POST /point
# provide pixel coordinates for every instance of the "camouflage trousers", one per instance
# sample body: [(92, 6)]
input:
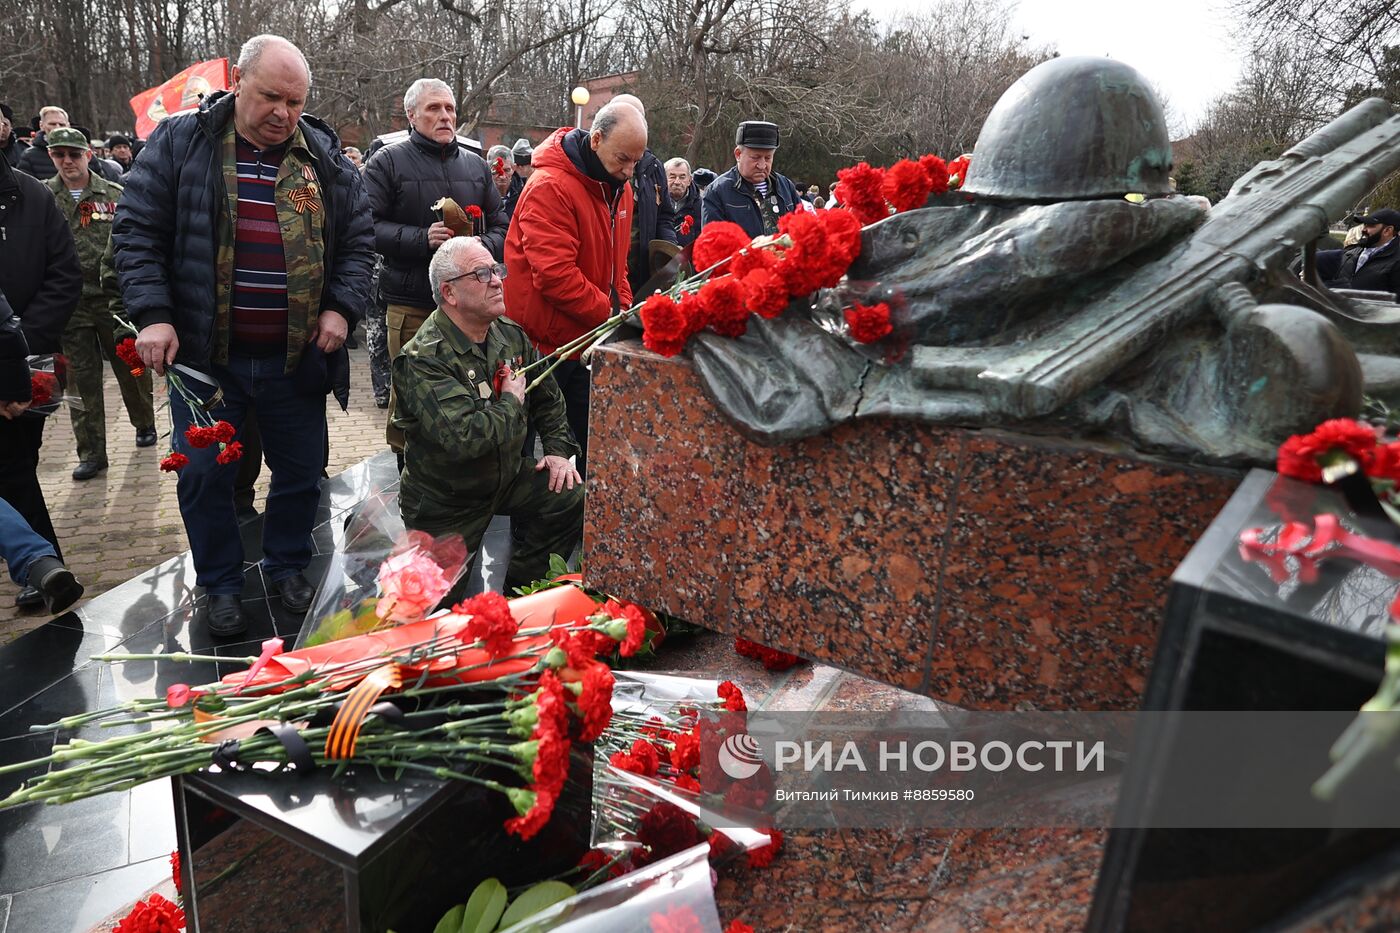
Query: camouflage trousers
[(402, 323), (89, 344), (377, 347)]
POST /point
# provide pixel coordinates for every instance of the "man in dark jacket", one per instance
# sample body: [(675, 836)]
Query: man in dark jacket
[(35, 159), (751, 194), (654, 215), (405, 180), (686, 196), (1373, 264), (10, 143), (40, 277), (244, 249)]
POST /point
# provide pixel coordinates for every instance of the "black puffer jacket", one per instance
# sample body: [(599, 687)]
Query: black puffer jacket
[(14, 149), (405, 179), (164, 240), (39, 271), (35, 160), (654, 216), (14, 369)]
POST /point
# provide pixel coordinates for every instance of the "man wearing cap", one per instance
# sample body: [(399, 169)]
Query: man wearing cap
[(1373, 264), (523, 153), (120, 148), (35, 161), (10, 143), (751, 194), (405, 180), (89, 203)]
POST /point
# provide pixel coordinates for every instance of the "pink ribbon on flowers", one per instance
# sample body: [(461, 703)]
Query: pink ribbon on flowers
[(270, 648)]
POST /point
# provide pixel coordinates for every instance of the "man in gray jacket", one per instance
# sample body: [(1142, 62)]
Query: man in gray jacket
[(405, 179)]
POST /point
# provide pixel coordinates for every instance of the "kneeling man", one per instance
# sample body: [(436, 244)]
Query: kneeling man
[(463, 436)]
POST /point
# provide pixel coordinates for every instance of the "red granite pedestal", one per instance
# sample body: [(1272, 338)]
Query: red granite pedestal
[(981, 568)]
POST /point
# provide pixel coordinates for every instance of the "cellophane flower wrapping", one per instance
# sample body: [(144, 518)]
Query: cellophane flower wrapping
[(652, 707), (672, 894), (48, 383), (384, 575)]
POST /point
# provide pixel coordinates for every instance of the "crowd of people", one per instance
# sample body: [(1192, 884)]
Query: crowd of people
[(242, 243)]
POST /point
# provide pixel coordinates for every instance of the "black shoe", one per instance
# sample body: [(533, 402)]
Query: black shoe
[(29, 598), (296, 592), (89, 468), (225, 615), (146, 437), (57, 586)]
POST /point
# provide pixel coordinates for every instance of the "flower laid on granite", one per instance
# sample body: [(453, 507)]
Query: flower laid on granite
[(771, 658), (126, 352), (733, 697), (153, 915), (763, 856), (868, 323), (738, 926)]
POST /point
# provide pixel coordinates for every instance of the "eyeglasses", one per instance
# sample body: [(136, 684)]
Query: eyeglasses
[(64, 154), (483, 275)]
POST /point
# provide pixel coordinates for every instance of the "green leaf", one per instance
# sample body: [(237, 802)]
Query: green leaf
[(484, 907), (451, 921), (533, 900)]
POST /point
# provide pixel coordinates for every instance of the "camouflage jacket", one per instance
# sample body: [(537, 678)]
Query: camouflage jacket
[(463, 440), (90, 219)]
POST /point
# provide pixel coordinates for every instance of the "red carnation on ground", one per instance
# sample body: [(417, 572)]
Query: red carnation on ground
[(723, 302), (937, 171), (666, 829), (230, 453), (153, 915), (491, 622), (868, 323), (716, 243), (732, 696), (173, 462), (664, 329), (765, 293), (763, 856), (42, 387), (636, 628), (906, 185), (862, 192), (1301, 455), (771, 658), (679, 919), (126, 352)]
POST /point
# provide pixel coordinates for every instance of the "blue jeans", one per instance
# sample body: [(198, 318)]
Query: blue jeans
[(293, 427), (20, 544)]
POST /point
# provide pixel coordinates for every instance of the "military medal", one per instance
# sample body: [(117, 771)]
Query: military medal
[(304, 199), (484, 390)]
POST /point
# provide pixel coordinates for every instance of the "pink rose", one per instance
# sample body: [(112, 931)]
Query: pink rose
[(410, 585)]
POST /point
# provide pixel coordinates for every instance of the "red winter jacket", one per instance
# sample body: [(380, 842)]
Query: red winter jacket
[(566, 251)]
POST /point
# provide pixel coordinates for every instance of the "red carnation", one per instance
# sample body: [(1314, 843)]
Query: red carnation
[(474, 211), (594, 700), (230, 453), (686, 754), (906, 185), (1301, 455), (717, 242), (499, 167), (862, 191), (666, 829), (126, 352), (765, 293), (692, 312), (842, 235), (771, 658), (763, 857), (636, 629), (937, 171), (686, 782), (42, 387), (687, 224), (723, 301), (173, 462), (732, 696), (579, 649), (643, 759), (678, 919), (957, 171), (223, 432), (175, 875), (808, 265), (750, 259), (153, 915), (868, 323), (491, 622), (200, 437), (595, 860), (738, 926), (1386, 462), (534, 819), (664, 329)]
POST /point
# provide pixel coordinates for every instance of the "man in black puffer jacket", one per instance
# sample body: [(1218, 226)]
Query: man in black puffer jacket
[(405, 179), (244, 250), (41, 278), (654, 215)]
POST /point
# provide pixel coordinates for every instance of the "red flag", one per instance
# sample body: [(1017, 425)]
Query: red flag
[(181, 92)]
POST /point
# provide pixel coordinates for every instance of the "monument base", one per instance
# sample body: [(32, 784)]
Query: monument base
[(986, 569)]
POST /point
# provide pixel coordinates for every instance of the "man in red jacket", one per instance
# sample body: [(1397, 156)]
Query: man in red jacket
[(566, 251)]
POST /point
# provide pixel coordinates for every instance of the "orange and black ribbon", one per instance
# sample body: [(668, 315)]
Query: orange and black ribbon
[(304, 199), (350, 718)]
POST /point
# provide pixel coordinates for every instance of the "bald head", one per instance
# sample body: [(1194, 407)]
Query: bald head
[(619, 138), (270, 84), (630, 100)]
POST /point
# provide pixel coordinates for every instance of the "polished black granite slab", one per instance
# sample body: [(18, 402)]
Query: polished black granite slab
[(66, 867)]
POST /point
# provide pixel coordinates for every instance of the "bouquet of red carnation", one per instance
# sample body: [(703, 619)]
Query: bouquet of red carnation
[(1343, 447), (48, 380)]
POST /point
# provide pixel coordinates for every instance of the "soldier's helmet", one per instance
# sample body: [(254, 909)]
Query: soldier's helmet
[(1073, 128)]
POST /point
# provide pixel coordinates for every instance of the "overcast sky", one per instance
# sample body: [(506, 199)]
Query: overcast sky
[(1184, 48)]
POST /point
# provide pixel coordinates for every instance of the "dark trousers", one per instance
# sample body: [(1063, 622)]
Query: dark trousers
[(293, 430), (20, 441), (574, 379)]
